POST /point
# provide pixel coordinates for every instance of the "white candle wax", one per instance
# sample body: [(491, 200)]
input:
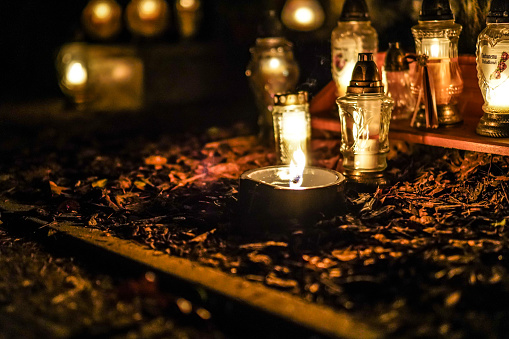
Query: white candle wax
[(294, 133)]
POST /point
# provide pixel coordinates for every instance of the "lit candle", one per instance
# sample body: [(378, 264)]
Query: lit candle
[(188, 17), (302, 15), (102, 12), (365, 114), (292, 129), (76, 75), (266, 199), (436, 48), (187, 4), (492, 61), (436, 37), (147, 18), (149, 9)]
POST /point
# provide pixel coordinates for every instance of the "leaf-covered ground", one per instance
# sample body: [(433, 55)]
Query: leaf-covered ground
[(425, 257)]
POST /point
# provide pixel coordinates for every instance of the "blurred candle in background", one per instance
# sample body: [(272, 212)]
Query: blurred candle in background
[(436, 37), (188, 17), (353, 34), (302, 15), (72, 69), (292, 127), (397, 82), (492, 59), (102, 19), (147, 18)]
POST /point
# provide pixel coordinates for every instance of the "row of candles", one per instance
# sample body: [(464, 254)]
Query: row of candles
[(365, 108), (102, 19)]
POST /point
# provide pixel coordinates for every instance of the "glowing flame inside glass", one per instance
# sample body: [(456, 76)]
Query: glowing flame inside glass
[(76, 74), (303, 15), (149, 9), (102, 11), (294, 174), (187, 3)]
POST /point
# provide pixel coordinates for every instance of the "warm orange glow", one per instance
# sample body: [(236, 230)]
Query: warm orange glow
[(303, 15), (187, 4), (149, 9), (76, 74), (102, 11), (297, 165)]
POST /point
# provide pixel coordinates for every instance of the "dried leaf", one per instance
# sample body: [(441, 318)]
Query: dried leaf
[(57, 189)]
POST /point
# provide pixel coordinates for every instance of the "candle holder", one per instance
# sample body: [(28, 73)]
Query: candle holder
[(268, 196), (438, 82), (365, 114), (73, 72), (147, 18), (353, 34), (396, 79), (272, 69), (102, 19), (188, 17), (292, 126), (492, 58)]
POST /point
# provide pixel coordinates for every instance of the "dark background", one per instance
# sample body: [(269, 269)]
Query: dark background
[(32, 31)]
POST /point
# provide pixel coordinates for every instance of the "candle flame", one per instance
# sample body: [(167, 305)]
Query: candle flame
[(297, 165), (304, 16), (187, 3), (294, 174), (149, 9), (76, 74), (102, 11)]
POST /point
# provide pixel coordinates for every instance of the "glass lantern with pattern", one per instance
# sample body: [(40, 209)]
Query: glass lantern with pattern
[(436, 39), (365, 114), (492, 59)]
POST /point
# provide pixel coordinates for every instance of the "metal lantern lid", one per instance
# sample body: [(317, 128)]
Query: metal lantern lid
[(395, 59), (436, 10), (287, 99), (270, 26), (354, 10), (499, 12), (365, 76)]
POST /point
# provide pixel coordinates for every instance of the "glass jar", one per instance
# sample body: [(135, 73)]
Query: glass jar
[(492, 59), (436, 37), (292, 125), (353, 34), (396, 79), (365, 113), (272, 69), (73, 72)]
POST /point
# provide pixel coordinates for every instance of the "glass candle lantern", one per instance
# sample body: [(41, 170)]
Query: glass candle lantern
[(292, 125), (353, 34), (188, 17), (272, 69), (147, 18), (73, 72), (492, 59), (365, 113), (397, 82), (436, 37), (102, 19)]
